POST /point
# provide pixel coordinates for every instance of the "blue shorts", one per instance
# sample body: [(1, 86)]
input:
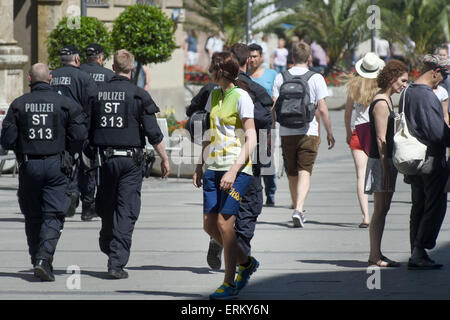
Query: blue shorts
[(216, 200)]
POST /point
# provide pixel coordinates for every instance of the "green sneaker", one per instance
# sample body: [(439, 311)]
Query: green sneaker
[(224, 292), (245, 273)]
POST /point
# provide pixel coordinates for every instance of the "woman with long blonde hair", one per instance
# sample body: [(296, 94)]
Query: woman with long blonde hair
[(362, 87)]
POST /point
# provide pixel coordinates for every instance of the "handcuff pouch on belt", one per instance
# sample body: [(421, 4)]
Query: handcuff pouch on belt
[(137, 154)]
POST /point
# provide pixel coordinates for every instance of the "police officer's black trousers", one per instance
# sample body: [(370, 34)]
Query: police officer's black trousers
[(249, 210), (43, 199), (429, 205), (118, 203), (86, 185)]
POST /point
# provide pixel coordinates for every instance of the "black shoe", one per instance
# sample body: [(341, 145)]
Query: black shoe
[(270, 203), (118, 273), (88, 212), (423, 264), (73, 205), (44, 270)]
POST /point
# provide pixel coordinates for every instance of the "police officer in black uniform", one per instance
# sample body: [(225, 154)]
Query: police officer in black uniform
[(39, 126), (95, 55), (86, 180), (72, 82), (123, 116)]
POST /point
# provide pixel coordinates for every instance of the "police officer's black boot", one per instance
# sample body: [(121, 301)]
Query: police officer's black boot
[(88, 212), (74, 200), (44, 270), (118, 273)]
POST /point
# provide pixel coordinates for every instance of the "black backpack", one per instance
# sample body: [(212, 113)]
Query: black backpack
[(197, 124), (196, 111), (294, 108)]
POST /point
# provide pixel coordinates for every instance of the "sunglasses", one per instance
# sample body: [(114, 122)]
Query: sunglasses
[(212, 68)]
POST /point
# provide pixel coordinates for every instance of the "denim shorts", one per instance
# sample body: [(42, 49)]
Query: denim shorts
[(216, 200)]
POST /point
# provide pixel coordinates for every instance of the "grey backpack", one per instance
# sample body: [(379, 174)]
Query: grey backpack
[(294, 108)]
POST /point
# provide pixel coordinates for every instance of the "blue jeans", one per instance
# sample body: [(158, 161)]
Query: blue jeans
[(270, 186), (279, 69)]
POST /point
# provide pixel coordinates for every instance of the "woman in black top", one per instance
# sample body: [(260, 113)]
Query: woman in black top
[(380, 172)]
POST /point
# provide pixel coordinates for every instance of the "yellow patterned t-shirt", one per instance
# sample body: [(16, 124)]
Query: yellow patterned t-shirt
[(226, 131)]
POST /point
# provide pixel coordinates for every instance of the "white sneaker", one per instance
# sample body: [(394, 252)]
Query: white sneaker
[(298, 219), (302, 215)]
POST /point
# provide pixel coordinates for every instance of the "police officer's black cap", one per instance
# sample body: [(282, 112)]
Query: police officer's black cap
[(69, 50), (94, 49)]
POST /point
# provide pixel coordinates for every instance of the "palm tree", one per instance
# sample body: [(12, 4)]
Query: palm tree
[(337, 25), (225, 16), (423, 21)]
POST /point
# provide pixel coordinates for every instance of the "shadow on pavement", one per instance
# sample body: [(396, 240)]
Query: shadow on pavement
[(97, 274), (12, 220), (338, 263), (27, 275), (164, 293), (281, 224), (342, 225), (165, 268), (289, 224), (394, 283)]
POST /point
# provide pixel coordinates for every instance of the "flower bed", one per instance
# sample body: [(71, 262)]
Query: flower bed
[(172, 123), (337, 79), (196, 75)]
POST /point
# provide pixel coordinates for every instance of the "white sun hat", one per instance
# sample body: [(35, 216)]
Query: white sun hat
[(369, 66)]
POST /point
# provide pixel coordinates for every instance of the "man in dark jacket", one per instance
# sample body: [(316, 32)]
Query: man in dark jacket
[(95, 56), (74, 83), (429, 198), (123, 116), (39, 127)]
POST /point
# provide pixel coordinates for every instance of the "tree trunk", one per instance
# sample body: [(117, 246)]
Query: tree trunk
[(136, 72)]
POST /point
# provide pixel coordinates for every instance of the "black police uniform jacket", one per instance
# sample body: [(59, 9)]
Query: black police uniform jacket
[(123, 115), (72, 82), (42, 122), (97, 72)]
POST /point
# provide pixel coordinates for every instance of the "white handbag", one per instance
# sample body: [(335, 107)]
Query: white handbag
[(409, 154)]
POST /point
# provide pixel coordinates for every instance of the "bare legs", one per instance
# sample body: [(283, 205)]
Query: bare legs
[(381, 206), (299, 188), (360, 159), (221, 228)]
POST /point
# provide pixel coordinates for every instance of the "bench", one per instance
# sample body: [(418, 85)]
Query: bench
[(4, 156), (177, 147)]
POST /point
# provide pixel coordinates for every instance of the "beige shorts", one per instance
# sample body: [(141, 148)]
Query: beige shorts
[(300, 152)]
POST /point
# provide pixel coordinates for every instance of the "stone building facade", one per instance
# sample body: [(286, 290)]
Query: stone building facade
[(25, 25)]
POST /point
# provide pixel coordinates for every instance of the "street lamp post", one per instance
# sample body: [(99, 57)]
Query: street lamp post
[(249, 21), (373, 27), (83, 8)]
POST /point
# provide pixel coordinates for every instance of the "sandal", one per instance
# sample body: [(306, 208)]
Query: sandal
[(389, 263), (364, 225), (392, 263)]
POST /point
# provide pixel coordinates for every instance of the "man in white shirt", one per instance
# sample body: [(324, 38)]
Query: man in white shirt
[(383, 50), (300, 146), (214, 44)]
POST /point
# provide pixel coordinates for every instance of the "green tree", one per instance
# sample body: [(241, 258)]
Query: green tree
[(423, 21), (337, 25), (146, 32), (226, 16), (80, 33)]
